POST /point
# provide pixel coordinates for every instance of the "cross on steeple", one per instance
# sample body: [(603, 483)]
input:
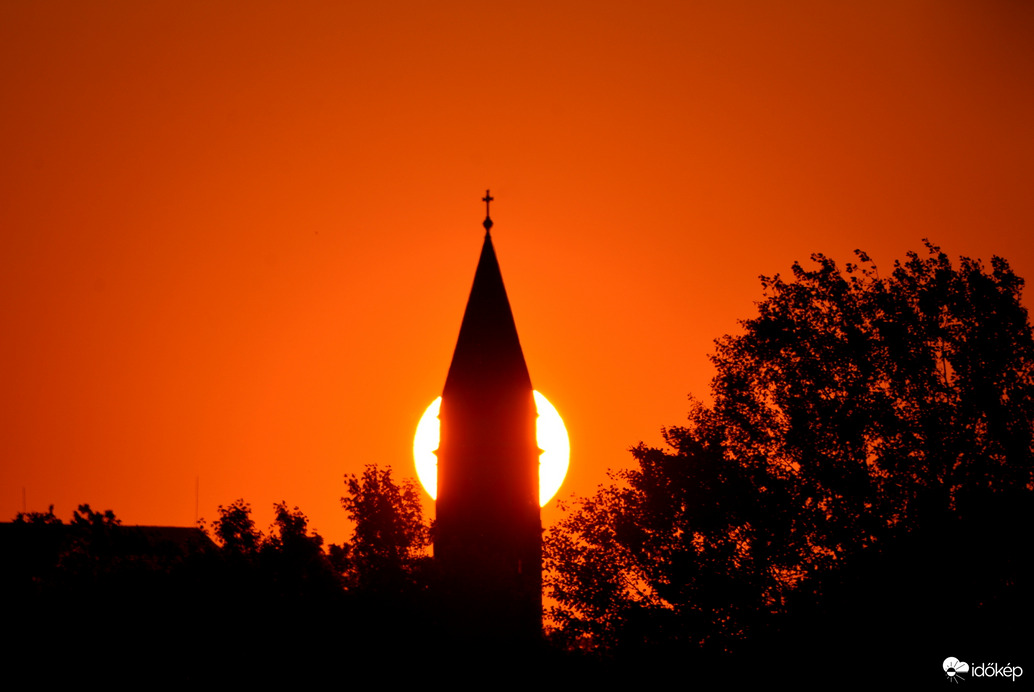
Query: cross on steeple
[(487, 199)]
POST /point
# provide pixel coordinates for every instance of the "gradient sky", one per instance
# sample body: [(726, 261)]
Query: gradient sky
[(238, 237)]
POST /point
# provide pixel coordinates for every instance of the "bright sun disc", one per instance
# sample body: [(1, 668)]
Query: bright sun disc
[(550, 434)]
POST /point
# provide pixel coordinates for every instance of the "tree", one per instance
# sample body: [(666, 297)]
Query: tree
[(390, 539), (236, 530), (289, 563), (854, 415), (667, 556), (889, 402), (97, 548), (290, 532), (47, 518)]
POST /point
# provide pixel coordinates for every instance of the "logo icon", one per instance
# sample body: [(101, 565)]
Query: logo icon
[(953, 668)]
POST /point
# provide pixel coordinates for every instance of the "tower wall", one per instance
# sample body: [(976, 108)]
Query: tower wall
[(488, 525)]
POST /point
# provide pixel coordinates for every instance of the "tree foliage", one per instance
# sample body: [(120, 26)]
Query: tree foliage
[(390, 539), (280, 583), (47, 518), (887, 401), (235, 529), (854, 411), (289, 562)]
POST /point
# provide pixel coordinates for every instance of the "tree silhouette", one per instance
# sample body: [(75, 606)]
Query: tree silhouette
[(38, 518), (236, 530), (859, 423), (294, 560), (390, 539), (287, 565), (888, 402)]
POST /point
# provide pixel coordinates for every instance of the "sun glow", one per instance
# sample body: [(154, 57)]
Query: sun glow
[(550, 434)]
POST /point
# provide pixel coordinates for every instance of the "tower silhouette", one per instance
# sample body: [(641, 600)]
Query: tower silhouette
[(488, 538)]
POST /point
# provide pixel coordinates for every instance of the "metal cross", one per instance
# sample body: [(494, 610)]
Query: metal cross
[(487, 199)]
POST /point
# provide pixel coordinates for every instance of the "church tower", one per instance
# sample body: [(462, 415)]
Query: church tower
[(488, 540)]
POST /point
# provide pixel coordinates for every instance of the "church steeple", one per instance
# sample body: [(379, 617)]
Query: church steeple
[(488, 351), (488, 526)]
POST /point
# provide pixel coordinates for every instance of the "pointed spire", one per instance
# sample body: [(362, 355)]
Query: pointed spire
[(487, 199), (488, 349)]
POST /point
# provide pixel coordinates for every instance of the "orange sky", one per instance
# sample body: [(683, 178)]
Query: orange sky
[(238, 237)]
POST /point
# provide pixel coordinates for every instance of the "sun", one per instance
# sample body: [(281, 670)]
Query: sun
[(550, 434)]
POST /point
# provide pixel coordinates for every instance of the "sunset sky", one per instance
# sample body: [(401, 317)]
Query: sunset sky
[(238, 237)]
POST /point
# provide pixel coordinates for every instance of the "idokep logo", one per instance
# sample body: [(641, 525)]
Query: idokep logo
[(954, 668)]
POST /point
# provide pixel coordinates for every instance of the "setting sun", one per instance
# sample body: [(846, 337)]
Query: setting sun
[(550, 434)]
